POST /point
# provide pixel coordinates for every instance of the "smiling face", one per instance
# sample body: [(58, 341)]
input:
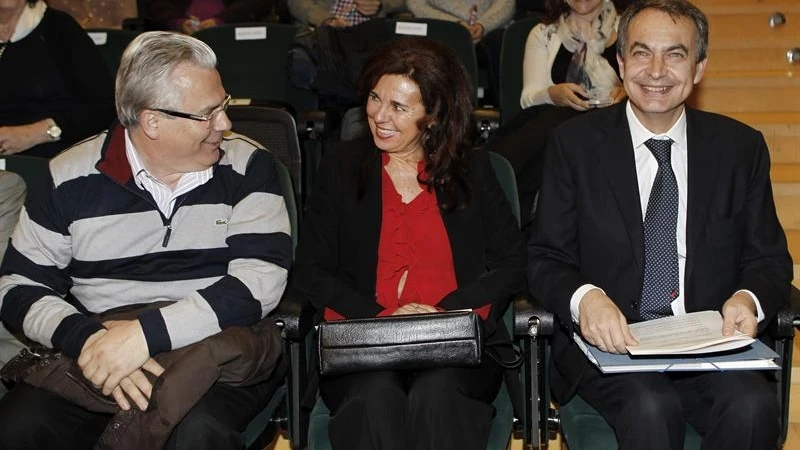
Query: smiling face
[(394, 111), (660, 67), (11, 5), (189, 145), (585, 8)]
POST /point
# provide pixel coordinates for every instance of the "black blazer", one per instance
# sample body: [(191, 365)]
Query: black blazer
[(589, 227), (337, 256)]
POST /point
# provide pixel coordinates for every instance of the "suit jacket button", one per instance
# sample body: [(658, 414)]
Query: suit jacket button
[(635, 305)]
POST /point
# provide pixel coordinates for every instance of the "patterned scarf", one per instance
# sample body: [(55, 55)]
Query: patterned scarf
[(594, 38)]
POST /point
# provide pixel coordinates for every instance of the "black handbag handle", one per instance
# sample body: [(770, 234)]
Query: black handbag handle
[(490, 349)]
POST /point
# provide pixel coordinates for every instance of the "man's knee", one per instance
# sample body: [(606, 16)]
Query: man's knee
[(19, 420), (650, 413), (649, 407), (201, 428), (31, 418), (746, 408)]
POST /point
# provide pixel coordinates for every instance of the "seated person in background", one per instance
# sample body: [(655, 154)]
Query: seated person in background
[(12, 196), (650, 208), (484, 19), (575, 41), (189, 16), (411, 220), (56, 88), (97, 13), (341, 13), (479, 17), (160, 208)]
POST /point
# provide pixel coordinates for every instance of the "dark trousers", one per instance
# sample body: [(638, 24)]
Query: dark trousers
[(648, 411), (487, 52), (439, 409), (32, 418)]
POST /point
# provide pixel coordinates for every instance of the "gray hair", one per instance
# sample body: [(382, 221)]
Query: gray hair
[(676, 9), (144, 76)]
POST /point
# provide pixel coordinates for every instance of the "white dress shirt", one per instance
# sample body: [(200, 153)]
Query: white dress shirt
[(646, 169), (163, 195)]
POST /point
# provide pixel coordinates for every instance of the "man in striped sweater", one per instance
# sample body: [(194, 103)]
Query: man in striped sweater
[(160, 207)]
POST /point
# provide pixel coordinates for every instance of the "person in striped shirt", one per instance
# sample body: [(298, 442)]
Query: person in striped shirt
[(164, 206)]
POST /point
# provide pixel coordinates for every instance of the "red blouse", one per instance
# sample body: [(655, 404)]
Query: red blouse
[(413, 238)]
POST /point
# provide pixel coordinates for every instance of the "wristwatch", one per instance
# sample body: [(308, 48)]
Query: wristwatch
[(54, 131)]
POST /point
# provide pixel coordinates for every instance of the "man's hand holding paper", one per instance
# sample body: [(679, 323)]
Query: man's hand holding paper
[(739, 313), (603, 324)]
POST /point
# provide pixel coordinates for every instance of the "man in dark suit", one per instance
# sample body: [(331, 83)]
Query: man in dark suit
[(648, 209)]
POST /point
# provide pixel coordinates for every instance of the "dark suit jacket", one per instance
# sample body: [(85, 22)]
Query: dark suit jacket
[(338, 252), (589, 226)]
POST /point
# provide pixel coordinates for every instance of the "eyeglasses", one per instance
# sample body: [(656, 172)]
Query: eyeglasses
[(199, 117)]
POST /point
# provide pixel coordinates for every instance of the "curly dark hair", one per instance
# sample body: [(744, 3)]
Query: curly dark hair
[(447, 93)]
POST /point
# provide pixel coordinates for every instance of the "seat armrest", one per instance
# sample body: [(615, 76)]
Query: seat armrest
[(528, 313), (487, 120), (314, 124), (788, 318), (294, 315)]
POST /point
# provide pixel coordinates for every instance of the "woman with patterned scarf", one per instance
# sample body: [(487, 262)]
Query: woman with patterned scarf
[(570, 66), (570, 58)]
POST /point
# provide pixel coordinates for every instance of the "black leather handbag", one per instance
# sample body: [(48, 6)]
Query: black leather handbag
[(403, 342)]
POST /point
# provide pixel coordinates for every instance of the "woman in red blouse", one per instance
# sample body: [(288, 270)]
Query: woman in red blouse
[(411, 220)]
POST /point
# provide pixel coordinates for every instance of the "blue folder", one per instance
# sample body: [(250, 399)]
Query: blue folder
[(756, 356)]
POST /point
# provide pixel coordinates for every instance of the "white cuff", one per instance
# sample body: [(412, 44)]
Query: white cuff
[(575, 301), (759, 311)]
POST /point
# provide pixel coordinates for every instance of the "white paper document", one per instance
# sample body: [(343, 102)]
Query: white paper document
[(685, 334)]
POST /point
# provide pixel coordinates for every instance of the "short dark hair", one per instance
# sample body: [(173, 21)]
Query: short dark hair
[(447, 93), (676, 9)]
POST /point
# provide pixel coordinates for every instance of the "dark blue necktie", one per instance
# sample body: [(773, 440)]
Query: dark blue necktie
[(660, 286)]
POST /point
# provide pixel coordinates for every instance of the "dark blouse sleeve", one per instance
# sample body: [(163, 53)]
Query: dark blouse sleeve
[(320, 254), (503, 244), (85, 74)]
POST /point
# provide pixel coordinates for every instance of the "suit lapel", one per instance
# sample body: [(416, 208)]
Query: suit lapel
[(368, 217), (614, 156), (703, 169)]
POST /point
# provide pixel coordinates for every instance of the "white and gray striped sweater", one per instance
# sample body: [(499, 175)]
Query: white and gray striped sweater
[(95, 241)]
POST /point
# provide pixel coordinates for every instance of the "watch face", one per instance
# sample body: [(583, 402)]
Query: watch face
[(54, 131)]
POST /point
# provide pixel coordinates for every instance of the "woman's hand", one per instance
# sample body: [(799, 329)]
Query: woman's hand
[(569, 94), (211, 22), (368, 7), (477, 31), (190, 24), (618, 94), (335, 22), (16, 139), (414, 308)]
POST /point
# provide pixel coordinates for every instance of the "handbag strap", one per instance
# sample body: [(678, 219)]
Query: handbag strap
[(490, 349)]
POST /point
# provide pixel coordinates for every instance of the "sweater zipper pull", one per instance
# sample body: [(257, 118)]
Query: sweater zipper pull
[(166, 236)]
